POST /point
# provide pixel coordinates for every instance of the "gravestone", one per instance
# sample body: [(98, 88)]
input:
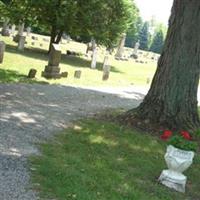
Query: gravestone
[(13, 29), (2, 50), (77, 74), (28, 31), (106, 69), (20, 32), (21, 43), (64, 74), (94, 58), (52, 70), (120, 49), (32, 73), (136, 47)]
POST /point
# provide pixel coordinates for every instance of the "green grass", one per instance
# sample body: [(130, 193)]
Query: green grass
[(96, 160), (123, 73)]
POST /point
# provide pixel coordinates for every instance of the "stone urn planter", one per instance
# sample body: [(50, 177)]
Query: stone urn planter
[(177, 161)]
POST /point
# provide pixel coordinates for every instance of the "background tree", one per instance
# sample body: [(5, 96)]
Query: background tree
[(105, 21), (132, 35), (158, 42), (172, 98), (144, 36)]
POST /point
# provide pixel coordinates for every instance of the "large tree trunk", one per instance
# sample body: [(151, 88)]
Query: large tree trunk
[(172, 98)]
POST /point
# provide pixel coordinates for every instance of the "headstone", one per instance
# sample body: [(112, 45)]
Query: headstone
[(20, 32), (77, 74), (21, 43), (13, 29), (52, 70), (32, 73), (28, 31), (120, 49), (106, 69), (136, 47), (2, 50), (64, 74), (94, 59)]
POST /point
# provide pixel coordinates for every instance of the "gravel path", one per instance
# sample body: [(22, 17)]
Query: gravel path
[(33, 113)]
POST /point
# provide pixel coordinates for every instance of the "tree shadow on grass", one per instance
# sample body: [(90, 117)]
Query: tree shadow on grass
[(73, 61), (10, 76)]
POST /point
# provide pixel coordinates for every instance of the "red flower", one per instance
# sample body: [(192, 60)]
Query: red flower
[(166, 134), (186, 135)]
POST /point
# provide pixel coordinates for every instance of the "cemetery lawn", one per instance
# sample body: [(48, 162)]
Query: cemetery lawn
[(16, 66), (98, 160)]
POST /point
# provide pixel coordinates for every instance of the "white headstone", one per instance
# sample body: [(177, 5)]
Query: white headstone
[(2, 50), (120, 49), (106, 69), (21, 43), (94, 58)]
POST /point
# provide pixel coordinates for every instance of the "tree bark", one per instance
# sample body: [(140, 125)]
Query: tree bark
[(172, 98), (59, 36), (53, 37)]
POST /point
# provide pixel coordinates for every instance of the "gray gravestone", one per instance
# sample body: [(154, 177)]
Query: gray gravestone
[(13, 29), (136, 47), (64, 74), (28, 31), (94, 58), (32, 73), (2, 50), (20, 32), (21, 43), (120, 49), (77, 74), (52, 70), (106, 69)]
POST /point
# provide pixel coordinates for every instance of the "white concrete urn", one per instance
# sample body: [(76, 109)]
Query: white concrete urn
[(177, 161)]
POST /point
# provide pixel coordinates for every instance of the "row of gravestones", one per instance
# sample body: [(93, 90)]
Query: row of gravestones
[(52, 70)]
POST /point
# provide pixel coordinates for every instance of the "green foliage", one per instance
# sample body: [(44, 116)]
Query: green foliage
[(181, 143), (144, 36), (158, 42), (105, 20), (133, 32)]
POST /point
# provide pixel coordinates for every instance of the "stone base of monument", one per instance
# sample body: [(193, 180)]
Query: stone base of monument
[(174, 180), (51, 72), (49, 75)]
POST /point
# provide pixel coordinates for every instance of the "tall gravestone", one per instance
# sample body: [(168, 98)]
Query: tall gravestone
[(106, 69), (2, 50), (94, 58), (52, 70), (28, 31), (20, 32), (21, 43), (136, 47), (120, 49), (13, 27)]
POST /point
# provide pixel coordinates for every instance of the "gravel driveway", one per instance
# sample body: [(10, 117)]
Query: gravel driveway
[(33, 113)]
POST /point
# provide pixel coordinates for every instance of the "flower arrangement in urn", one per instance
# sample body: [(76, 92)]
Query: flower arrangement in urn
[(179, 156)]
